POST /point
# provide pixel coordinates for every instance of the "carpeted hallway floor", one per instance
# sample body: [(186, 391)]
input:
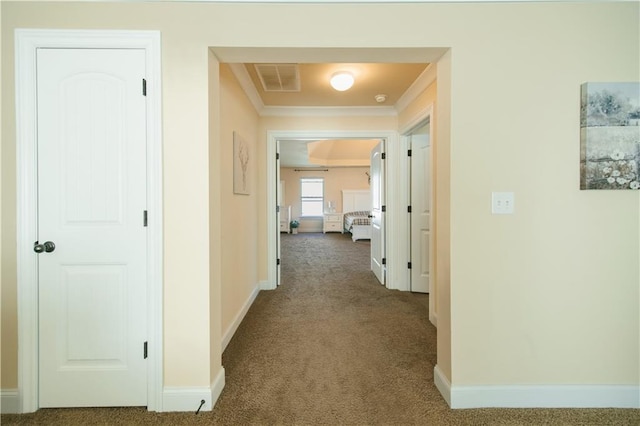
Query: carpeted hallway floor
[(332, 346)]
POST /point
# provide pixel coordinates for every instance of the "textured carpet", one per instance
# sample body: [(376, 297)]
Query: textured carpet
[(331, 346)]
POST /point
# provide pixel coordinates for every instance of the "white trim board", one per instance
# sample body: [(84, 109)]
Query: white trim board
[(537, 396), (229, 333), (264, 285), (27, 41), (422, 117), (394, 241), (190, 398), (9, 401)]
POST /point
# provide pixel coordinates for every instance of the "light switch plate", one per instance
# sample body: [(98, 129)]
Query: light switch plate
[(502, 203)]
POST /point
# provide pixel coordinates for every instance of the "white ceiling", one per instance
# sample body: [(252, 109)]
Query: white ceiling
[(399, 73), (309, 86), (333, 153)]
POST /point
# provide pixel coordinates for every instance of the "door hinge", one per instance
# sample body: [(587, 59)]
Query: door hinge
[(277, 261), (409, 265), (145, 350), (383, 208), (277, 209), (384, 156), (409, 153), (384, 260), (408, 209), (144, 87), (277, 155), (144, 218)]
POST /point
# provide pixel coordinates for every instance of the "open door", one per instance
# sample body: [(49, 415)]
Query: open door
[(420, 209), (377, 213), (279, 202)]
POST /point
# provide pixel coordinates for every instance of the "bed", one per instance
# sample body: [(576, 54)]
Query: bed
[(356, 205), (358, 224)]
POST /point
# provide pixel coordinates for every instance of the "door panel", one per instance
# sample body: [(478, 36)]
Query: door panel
[(91, 201), (377, 220), (92, 330)]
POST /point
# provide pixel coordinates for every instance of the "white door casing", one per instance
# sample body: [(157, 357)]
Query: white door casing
[(28, 42), (420, 209), (424, 118), (92, 204), (394, 242), (377, 213)]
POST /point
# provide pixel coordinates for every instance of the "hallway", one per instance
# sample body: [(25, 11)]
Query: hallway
[(331, 345)]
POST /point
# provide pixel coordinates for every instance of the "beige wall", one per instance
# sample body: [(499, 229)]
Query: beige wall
[(442, 210), (440, 235), (239, 213), (547, 293), (215, 224), (539, 297), (335, 180)]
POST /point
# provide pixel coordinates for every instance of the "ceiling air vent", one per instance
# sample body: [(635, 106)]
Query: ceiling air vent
[(279, 77)]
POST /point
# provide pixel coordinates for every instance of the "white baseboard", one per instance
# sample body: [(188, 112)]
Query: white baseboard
[(190, 398), (265, 285), (217, 386), (434, 319), (187, 398), (173, 398), (537, 396), (9, 401), (443, 384), (546, 396), (228, 334)]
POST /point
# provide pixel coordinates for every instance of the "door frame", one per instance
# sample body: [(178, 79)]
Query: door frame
[(393, 242), (419, 119), (27, 41)]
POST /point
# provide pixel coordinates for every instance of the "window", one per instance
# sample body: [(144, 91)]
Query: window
[(312, 196)]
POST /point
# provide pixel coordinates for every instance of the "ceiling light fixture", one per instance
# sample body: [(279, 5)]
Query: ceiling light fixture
[(380, 98), (342, 81)]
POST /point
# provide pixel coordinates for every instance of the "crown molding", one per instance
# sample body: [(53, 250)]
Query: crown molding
[(298, 111), (424, 80), (246, 83)]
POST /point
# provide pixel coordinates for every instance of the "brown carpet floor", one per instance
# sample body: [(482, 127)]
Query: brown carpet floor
[(331, 346)]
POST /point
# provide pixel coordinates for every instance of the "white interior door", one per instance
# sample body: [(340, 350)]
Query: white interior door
[(377, 213), (91, 205), (279, 202), (420, 209)]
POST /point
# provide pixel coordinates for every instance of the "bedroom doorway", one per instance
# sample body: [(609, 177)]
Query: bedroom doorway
[(281, 206)]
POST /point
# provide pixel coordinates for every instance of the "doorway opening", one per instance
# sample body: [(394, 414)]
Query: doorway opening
[(316, 195), (397, 249), (420, 225), (273, 182)]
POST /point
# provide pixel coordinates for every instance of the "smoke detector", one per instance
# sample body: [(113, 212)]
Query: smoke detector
[(380, 98)]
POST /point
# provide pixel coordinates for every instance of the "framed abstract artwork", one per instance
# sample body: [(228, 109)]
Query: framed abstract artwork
[(241, 165), (610, 136)]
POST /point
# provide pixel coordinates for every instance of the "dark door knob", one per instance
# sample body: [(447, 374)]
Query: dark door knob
[(48, 247)]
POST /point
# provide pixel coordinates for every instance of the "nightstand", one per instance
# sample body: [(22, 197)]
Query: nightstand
[(332, 223)]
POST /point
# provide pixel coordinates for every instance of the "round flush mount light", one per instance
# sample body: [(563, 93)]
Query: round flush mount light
[(342, 81)]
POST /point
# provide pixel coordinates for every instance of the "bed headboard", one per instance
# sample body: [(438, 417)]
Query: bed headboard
[(354, 200)]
